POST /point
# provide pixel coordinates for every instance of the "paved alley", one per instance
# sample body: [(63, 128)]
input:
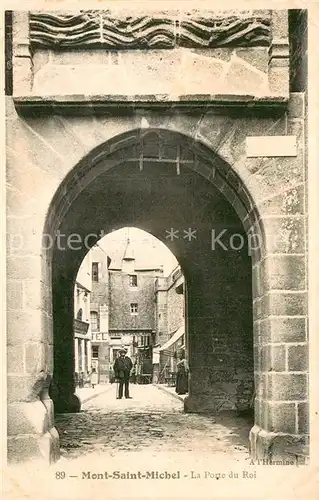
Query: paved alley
[(152, 421)]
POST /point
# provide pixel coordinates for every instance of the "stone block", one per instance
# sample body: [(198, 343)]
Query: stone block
[(277, 358), (23, 326), (20, 204), (257, 411), (26, 447), (27, 418), (20, 388), (36, 295), (280, 23), (296, 105), (15, 359), (242, 79), (285, 234), (303, 418), (284, 272), (281, 417), (14, 294), (290, 202), (298, 358), (257, 57), (273, 446), (286, 304), (280, 174), (48, 404), (19, 267), (296, 127), (278, 77), (35, 357), (37, 151), (283, 329), (287, 386)]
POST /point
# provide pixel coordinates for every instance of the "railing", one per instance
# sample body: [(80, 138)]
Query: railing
[(80, 326)]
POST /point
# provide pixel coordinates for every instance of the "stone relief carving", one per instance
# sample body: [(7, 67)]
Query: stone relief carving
[(159, 31)]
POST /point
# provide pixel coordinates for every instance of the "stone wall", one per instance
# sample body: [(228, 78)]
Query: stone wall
[(61, 151), (175, 309), (122, 295)]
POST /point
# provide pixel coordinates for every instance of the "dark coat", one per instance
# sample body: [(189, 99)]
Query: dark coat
[(122, 367)]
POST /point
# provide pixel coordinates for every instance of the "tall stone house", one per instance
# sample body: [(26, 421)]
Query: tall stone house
[(81, 326)]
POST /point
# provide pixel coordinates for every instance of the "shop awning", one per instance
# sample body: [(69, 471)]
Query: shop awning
[(177, 335)]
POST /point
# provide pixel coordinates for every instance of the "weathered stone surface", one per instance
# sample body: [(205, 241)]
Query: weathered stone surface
[(35, 357), (27, 418), (281, 417), (283, 329), (15, 359), (277, 357), (164, 30), (303, 418), (26, 447), (296, 105), (289, 304), (257, 57), (284, 272), (14, 294), (287, 386), (239, 76), (23, 326), (284, 234), (290, 202), (298, 358), (25, 388)]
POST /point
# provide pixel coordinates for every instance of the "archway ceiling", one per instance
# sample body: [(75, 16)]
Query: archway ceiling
[(155, 199)]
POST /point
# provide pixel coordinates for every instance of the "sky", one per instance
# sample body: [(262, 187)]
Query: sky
[(148, 250)]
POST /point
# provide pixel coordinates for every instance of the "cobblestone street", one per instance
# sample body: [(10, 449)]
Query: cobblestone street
[(152, 421)]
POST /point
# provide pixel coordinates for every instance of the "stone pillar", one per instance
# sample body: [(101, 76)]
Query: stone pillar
[(280, 311), (63, 387), (22, 60), (278, 69), (31, 432), (76, 355)]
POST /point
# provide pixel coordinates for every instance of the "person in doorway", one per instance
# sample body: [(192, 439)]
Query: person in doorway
[(94, 378), (182, 374), (122, 371)]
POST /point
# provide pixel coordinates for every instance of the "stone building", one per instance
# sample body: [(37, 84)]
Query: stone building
[(82, 330), (99, 313), (193, 120), (170, 323), (122, 311)]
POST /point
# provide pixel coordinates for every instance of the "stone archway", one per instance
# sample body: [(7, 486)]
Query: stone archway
[(177, 156), (158, 181)]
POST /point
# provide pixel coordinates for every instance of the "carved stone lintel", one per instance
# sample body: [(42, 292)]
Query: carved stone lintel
[(101, 29)]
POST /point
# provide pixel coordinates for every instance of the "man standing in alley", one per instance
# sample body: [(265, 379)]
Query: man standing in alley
[(122, 371)]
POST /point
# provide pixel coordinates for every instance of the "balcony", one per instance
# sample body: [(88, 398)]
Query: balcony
[(80, 327)]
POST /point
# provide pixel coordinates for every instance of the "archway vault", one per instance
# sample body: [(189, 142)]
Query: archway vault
[(157, 181)]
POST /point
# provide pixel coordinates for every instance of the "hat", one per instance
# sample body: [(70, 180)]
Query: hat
[(123, 350)]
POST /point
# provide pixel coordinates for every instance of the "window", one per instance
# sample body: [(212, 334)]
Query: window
[(133, 280), (79, 314), (95, 351), (144, 340), (134, 308), (95, 271), (94, 321)]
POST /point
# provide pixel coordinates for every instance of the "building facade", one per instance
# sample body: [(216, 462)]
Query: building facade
[(170, 324), (82, 330), (207, 132), (122, 312)]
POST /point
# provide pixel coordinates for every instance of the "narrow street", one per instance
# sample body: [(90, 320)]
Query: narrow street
[(152, 421)]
